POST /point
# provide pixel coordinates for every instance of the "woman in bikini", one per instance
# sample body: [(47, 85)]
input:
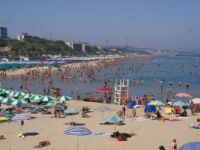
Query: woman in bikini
[(43, 144)]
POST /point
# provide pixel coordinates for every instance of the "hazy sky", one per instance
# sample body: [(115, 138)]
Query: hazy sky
[(165, 24)]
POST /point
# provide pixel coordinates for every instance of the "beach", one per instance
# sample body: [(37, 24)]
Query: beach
[(150, 134)]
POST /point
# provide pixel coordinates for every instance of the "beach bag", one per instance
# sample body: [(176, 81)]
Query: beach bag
[(120, 138), (163, 119)]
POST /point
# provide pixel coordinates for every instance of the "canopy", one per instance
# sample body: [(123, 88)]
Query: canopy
[(104, 90), (63, 98), (35, 97), (27, 96), (102, 108), (157, 103), (45, 99), (18, 102)]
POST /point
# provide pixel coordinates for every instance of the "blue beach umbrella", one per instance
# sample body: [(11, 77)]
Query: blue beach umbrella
[(102, 108), (179, 103), (114, 119), (71, 111), (190, 146), (77, 131)]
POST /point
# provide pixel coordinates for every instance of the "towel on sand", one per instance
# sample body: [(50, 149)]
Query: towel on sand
[(184, 117), (112, 143), (173, 120), (100, 134), (143, 119)]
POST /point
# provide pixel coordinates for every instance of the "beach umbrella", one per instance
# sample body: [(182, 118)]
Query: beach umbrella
[(12, 94), (104, 90), (114, 119), (7, 100), (102, 108), (19, 94), (1, 97), (18, 102), (45, 99), (21, 117), (27, 96), (179, 103), (35, 97), (190, 146), (63, 98), (157, 103), (183, 95), (71, 111), (8, 91), (195, 100), (3, 92), (77, 131)]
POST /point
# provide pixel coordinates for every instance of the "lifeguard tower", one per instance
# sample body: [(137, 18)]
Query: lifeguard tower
[(121, 91)]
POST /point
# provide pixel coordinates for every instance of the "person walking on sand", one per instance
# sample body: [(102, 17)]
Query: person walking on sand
[(192, 108), (123, 108), (57, 110)]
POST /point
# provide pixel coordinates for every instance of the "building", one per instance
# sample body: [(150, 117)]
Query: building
[(113, 49), (100, 48), (159, 51), (79, 46), (23, 36), (3, 32)]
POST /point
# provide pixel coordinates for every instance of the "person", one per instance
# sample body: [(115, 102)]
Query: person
[(146, 114), (152, 98), (187, 84), (197, 108), (173, 100), (171, 83), (84, 115), (43, 144), (77, 88), (57, 112), (173, 143), (179, 83), (175, 148), (153, 115), (184, 113), (192, 108), (123, 108), (133, 112), (2, 137), (197, 124)]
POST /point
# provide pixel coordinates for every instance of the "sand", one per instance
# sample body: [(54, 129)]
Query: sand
[(151, 134)]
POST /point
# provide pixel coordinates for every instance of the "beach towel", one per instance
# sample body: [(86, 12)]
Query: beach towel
[(192, 126), (143, 119), (100, 134), (112, 143), (183, 117), (173, 120)]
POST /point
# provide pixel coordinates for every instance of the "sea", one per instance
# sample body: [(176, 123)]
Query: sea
[(154, 68)]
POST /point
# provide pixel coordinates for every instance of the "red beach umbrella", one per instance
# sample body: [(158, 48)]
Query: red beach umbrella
[(104, 90)]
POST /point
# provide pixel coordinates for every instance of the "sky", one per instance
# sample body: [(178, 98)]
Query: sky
[(164, 24)]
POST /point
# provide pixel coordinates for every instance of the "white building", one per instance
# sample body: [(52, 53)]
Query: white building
[(79, 46), (159, 51), (23, 36)]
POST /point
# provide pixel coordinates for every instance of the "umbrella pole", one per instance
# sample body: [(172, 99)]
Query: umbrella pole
[(72, 119), (102, 114), (77, 142), (115, 129)]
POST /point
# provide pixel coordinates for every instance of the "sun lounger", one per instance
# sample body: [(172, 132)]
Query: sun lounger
[(32, 109)]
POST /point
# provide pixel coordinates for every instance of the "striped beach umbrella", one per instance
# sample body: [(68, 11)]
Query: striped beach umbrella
[(102, 108), (63, 98), (77, 131), (1, 97), (7, 100), (156, 103), (12, 94), (179, 103), (35, 97), (45, 99), (18, 102), (3, 92), (20, 94), (21, 117), (190, 146), (27, 96), (8, 91)]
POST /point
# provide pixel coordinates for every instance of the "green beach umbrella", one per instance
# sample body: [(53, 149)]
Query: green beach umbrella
[(35, 97), (63, 98), (12, 94), (19, 94), (4, 92), (45, 99), (1, 97), (18, 102), (27, 96), (8, 91), (7, 100)]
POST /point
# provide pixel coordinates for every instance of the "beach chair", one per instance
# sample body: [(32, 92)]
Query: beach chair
[(168, 110), (176, 110), (49, 104), (40, 108), (32, 109)]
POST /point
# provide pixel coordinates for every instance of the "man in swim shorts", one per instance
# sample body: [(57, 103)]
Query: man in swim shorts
[(57, 109)]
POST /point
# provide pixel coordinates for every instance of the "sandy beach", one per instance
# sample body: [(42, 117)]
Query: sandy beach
[(150, 134)]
